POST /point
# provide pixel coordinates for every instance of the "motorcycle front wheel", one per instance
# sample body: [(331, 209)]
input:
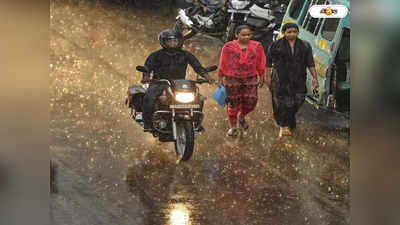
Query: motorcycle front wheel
[(184, 143), (230, 32), (186, 32)]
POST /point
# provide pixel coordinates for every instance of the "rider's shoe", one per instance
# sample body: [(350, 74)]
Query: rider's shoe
[(147, 127), (201, 128), (147, 130)]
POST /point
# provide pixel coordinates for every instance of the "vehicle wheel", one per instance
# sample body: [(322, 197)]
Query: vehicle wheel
[(186, 32), (184, 143)]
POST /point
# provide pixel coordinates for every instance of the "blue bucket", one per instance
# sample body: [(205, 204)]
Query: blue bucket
[(220, 95)]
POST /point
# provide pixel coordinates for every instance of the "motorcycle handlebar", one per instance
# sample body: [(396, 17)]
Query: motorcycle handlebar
[(201, 81), (143, 69), (211, 68)]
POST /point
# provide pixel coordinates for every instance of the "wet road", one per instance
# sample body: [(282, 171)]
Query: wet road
[(110, 172)]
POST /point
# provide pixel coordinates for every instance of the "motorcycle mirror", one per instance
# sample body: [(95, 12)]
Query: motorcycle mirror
[(141, 69), (211, 68)]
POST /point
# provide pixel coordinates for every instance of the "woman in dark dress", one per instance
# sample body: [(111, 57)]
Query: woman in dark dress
[(287, 60)]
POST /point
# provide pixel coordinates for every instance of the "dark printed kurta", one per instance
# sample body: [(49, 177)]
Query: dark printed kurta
[(289, 71)]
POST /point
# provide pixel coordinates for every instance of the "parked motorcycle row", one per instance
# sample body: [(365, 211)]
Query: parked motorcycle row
[(219, 18)]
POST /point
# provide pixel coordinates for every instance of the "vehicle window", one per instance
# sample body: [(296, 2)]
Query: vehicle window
[(313, 24), (329, 29), (296, 8), (343, 54)]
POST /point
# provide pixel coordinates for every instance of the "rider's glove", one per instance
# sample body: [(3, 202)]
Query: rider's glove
[(145, 79), (209, 78)]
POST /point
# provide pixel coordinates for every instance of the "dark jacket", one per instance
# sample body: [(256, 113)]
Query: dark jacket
[(166, 66)]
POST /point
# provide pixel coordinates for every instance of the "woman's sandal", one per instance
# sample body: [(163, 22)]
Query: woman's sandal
[(287, 132), (284, 131), (232, 132)]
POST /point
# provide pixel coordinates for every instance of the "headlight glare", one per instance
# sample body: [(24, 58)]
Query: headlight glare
[(184, 97)]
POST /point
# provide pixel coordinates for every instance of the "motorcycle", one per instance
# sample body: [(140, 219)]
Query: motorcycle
[(178, 111), (260, 15), (206, 16)]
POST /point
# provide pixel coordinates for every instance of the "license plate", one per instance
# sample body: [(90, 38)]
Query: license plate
[(195, 106)]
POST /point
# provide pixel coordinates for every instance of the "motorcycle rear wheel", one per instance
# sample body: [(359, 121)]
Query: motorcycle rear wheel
[(186, 32), (184, 143)]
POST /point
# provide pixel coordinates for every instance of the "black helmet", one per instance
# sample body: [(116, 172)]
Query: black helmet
[(169, 34)]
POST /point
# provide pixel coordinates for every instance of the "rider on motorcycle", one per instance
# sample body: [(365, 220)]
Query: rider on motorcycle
[(169, 63)]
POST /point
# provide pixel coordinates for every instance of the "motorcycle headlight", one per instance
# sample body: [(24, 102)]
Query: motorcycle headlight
[(236, 4), (184, 97)]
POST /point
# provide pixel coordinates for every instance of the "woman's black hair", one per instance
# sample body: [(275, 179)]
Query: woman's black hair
[(240, 28), (289, 25)]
